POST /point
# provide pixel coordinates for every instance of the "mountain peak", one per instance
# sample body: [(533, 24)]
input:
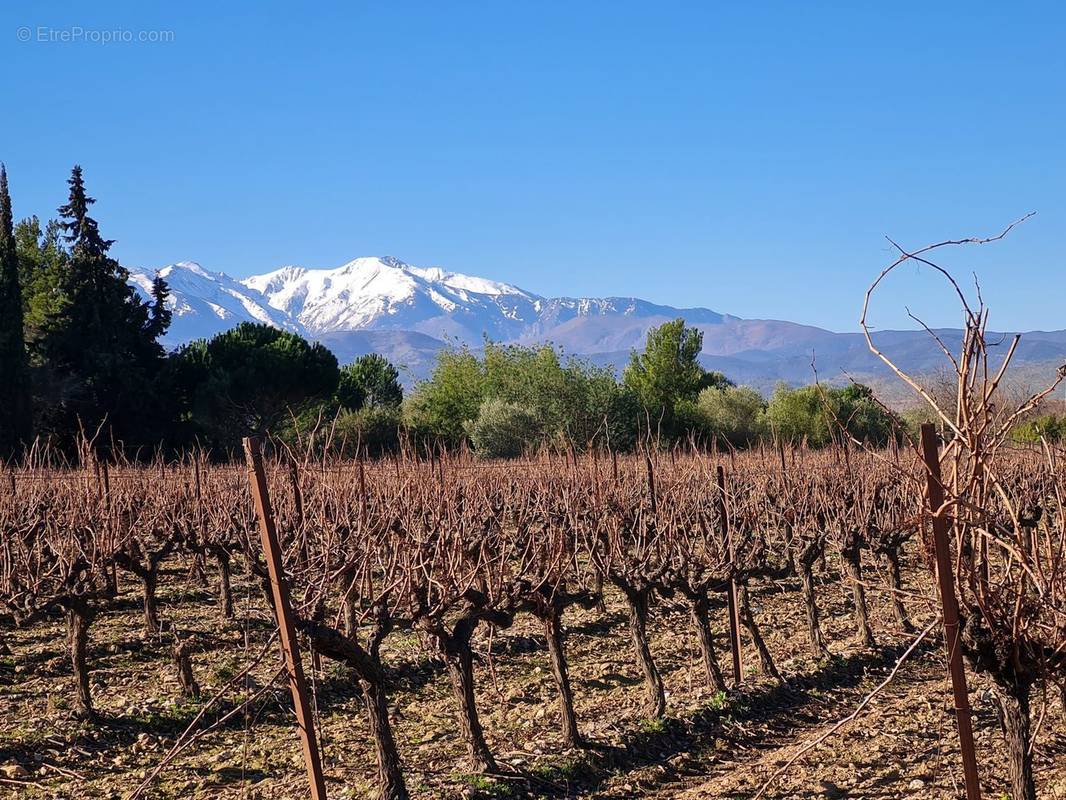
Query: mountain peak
[(367, 263), (409, 313), (192, 267), (205, 303), (387, 293)]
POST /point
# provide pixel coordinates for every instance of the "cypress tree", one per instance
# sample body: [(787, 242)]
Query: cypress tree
[(15, 410)]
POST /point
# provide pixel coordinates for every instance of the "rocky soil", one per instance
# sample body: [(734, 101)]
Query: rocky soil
[(711, 745)]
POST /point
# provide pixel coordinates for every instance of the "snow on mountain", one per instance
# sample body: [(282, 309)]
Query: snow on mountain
[(386, 293), (405, 312), (205, 303), (409, 313)]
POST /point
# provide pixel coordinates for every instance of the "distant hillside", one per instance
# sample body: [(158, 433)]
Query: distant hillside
[(409, 313)]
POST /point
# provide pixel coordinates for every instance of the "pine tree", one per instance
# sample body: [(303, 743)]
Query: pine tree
[(15, 411), (159, 315), (667, 374), (371, 380), (82, 231)]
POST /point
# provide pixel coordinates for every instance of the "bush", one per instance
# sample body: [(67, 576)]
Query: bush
[(798, 415), (374, 429), (1047, 426), (816, 414), (439, 408), (502, 429), (736, 414), (863, 417), (574, 402)]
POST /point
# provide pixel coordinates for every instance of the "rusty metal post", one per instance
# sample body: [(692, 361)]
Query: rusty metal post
[(731, 596), (931, 455), (283, 610)]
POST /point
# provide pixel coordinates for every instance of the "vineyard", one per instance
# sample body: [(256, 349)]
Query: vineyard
[(561, 626), (533, 401), (682, 621)]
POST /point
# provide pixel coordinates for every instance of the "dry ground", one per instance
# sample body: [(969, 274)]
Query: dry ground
[(711, 746)]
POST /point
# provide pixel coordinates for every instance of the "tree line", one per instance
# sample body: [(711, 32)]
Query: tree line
[(81, 358), (80, 355), (78, 346)]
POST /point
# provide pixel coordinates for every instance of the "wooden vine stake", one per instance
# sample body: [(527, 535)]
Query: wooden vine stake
[(283, 610), (931, 455)]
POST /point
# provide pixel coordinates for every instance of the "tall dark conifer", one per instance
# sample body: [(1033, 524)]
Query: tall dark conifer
[(15, 412), (100, 343), (82, 231), (159, 315)]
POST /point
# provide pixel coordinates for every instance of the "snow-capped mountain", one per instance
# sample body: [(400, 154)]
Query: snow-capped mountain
[(205, 303), (408, 314), (387, 294)]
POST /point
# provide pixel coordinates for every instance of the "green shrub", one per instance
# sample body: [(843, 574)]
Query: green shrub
[(1046, 426), (374, 429), (736, 414), (502, 429), (800, 414)]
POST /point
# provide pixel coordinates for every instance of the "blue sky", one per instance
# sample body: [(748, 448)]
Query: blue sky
[(748, 157)]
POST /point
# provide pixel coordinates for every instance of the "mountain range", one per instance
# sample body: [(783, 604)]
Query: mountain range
[(409, 314)]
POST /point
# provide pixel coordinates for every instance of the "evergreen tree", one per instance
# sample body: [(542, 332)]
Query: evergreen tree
[(42, 266), (250, 379), (97, 344), (667, 374), (15, 412), (371, 380), (159, 315), (82, 231)]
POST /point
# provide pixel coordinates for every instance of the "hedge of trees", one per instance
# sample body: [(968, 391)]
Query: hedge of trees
[(514, 399), (78, 346)]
